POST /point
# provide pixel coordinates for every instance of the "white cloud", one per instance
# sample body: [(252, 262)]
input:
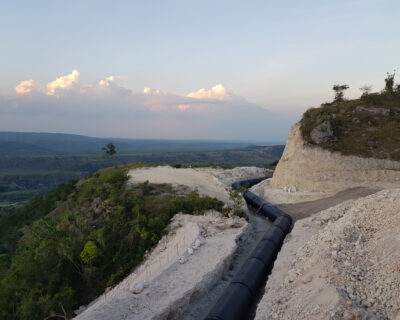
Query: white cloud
[(107, 81), (26, 86), (217, 92), (63, 82), (151, 91), (107, 109)]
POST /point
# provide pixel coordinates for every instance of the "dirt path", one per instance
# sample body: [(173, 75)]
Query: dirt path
[(305, 209)]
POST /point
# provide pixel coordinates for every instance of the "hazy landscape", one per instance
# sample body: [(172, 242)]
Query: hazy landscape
[(33, 163)]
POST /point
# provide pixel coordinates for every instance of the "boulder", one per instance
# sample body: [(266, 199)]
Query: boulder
[(137, 288), (322, 133), (196, 244), (182, 260)]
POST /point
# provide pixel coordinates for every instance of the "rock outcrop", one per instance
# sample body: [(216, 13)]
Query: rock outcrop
[(311, 168), (322, 133)]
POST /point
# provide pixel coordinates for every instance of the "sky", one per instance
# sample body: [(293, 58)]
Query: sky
[(219, 70)]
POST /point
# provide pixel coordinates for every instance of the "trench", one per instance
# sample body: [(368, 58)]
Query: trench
[(236, 294), (238, 300), (200, 305)]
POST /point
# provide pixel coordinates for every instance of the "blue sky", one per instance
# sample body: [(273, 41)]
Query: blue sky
[(283, 56)]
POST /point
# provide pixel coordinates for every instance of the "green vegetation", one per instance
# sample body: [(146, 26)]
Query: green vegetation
[(15, 198), (109, 149), (38, 174), (62, 249), (339, 91), (236, 197), (365, 127)]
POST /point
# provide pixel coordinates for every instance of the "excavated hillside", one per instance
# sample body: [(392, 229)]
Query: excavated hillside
[(341, 146), (341, 260)]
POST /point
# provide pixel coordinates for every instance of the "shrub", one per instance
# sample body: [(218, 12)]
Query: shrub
[(89, 253)]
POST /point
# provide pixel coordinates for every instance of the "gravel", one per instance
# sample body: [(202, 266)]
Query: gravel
[(348, 269)]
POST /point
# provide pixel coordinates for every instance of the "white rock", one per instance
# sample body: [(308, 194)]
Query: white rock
[(137, 288), (182, 260), (196, 244), (80, 310), (190, 251), (306, 278)]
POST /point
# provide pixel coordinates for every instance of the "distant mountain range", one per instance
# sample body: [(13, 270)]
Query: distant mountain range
[(29, 143)]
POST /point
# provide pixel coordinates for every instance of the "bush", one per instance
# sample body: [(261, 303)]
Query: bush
[(89, 253), (374, 99)]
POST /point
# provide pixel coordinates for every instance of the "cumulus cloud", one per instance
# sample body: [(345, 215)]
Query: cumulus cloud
[(217, 92), (63, 82), (26, 86), (104, 108), (151, 91), (107, 81)]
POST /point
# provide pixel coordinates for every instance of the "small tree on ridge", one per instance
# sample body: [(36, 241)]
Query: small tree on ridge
[(389, 82), (339, 92)]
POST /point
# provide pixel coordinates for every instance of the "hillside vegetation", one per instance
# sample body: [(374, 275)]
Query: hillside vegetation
[(22, 177), (365, 127), (63, 249)]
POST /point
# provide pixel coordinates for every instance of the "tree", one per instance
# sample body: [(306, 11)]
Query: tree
[(339, 91), (366, 89), (389, 82), (109, 149)]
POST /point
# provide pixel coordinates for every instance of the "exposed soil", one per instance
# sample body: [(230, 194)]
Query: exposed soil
[(306, 209), (341, 263)]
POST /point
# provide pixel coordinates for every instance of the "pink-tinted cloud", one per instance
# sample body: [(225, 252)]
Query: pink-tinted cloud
[(105, 108), (182, 107), (217, 92), (107, 81), (63, 82), (26, 86)]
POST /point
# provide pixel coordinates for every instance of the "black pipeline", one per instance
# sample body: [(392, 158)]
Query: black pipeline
[(237, 299)]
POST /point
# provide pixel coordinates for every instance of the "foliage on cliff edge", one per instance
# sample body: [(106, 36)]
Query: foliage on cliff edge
[(63, 249), (366, 127)]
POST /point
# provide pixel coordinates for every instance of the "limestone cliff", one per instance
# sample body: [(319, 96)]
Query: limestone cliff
[(311, 168)]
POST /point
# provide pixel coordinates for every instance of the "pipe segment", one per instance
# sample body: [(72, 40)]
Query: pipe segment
[(249, 182), (237, 299), (233, 304)]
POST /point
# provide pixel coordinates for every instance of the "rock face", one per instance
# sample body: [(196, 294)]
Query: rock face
[(322, 133), (310, 168)]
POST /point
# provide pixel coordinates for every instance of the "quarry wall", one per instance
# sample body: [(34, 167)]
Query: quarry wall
[(311, 168)]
